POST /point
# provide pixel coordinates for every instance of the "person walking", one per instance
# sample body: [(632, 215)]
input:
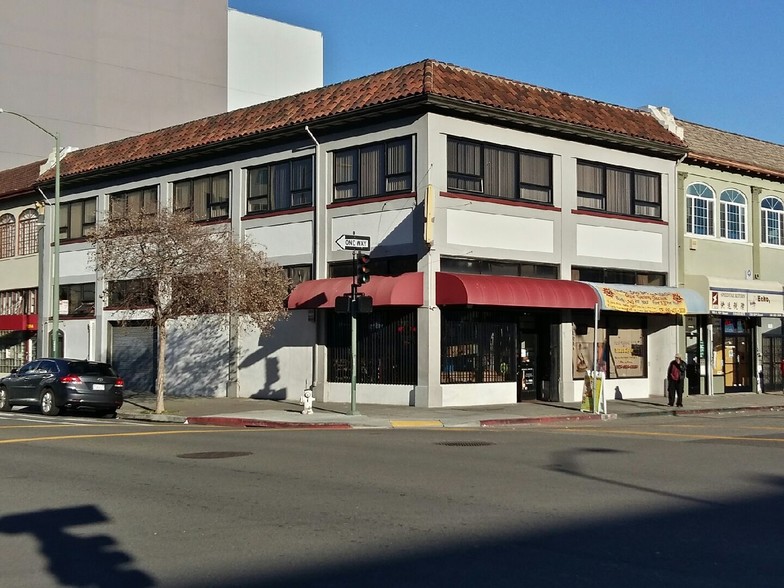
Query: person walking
[(676, 372)]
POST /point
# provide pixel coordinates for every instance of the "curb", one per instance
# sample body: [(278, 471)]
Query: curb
[(242, 422), (546, 420)]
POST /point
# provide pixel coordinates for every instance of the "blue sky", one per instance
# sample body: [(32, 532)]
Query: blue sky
[(718, 63)]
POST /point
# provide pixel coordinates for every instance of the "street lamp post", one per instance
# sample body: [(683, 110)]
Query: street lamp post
[(56, 236)]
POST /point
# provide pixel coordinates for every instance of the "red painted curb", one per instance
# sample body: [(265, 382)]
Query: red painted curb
[(544, 420), (241, 422)]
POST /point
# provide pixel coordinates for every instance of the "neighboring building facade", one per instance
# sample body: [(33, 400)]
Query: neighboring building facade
[(731, 203), (101, 70), (20, 237), (506, 222)]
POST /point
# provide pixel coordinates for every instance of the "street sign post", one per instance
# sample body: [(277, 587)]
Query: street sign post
[(353, 242)]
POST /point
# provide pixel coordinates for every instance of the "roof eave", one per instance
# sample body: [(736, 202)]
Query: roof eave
[(736, 166)]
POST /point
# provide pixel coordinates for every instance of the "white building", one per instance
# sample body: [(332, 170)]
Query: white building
[(100, 70), (501, 216)]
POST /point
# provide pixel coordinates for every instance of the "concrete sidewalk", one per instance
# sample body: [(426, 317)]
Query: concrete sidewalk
[(247, 412)]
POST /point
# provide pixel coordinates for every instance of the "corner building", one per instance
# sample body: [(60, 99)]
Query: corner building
[(519, 236)]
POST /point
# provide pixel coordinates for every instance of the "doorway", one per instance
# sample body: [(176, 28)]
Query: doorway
[(733, 353)]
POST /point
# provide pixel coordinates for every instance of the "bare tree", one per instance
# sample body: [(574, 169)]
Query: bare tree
[(174, 268)]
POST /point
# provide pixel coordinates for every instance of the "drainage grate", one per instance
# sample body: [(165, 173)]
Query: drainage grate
[(214, 454), (465, 443)]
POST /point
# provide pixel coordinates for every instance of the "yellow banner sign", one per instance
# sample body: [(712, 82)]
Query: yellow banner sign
[(642, 301)]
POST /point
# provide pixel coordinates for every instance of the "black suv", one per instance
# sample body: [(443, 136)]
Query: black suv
[(56, 385)]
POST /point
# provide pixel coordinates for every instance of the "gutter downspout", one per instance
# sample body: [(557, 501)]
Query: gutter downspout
[(314, 267)]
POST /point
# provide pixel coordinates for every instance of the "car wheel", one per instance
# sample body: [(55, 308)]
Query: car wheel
[(108, 415), (48, 407), (4, 404)]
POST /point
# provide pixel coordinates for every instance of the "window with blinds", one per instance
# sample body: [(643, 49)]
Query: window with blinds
[(617, 190), (206, 197), (376, 169)]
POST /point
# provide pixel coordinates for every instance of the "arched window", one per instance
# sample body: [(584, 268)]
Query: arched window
[(7, 235), (28, 232), (733, 215), (772, 221), (699, 209)]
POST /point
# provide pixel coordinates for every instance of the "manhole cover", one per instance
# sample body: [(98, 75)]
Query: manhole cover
[(214, 454), (465, 443)]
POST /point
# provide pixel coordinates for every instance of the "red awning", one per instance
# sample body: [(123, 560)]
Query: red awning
[(18, 322), (402, 290), (487, 290)]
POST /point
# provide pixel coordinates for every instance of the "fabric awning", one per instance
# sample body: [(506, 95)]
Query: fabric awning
[(402, 290), (739, 297), (649, 299), (485, 290), (18, 322)]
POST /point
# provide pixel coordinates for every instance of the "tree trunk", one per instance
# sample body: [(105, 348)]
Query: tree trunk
[(160, 378)]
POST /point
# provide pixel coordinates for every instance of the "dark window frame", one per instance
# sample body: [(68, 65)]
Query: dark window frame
[(122, 203), (81, 299), (7, 236), (86, 211), (599, 194), (609, 275), (213, 204), (467, 171), (263, 196), (393, 175), (493, 267)]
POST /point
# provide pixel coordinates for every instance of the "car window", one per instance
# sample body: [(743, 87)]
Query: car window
[(47, 366), (28, 367), (86, 368)]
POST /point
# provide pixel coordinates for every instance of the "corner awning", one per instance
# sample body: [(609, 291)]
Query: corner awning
[(487, 290), (739, 297), (402, 290), (18, 322), (649, 299)]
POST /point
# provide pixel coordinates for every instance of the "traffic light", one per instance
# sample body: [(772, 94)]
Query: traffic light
[(363, 269)]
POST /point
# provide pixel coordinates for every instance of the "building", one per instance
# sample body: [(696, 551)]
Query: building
[(519, 237), (100, 70), (731, 203)]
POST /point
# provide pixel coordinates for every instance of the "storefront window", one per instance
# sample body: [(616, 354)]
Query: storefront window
[(386, 347), (478, 347), (620, 346)]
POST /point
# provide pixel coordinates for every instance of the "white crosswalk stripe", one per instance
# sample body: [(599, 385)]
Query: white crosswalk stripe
[(69, 421)]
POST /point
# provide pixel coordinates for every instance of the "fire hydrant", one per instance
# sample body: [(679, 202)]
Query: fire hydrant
[(306, 400)]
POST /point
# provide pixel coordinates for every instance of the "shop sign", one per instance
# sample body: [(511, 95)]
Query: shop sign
[(746, 303), (765, 304), (643, 301)]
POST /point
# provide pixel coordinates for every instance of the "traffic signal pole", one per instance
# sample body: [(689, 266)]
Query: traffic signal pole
[(353, 410)]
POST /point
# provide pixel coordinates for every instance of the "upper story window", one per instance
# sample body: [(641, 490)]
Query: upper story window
[(134, 202), (28, 232), (498, 268), (500, 172), (80, 297), (281, 185), (77, 218), (618, 190), (206, 198), (772, 221), (733, 215), (699, 209), (7, 235), (605, 275), (19, 301), (373, 170)]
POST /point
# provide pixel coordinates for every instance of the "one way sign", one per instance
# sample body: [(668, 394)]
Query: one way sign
[(353, 242)]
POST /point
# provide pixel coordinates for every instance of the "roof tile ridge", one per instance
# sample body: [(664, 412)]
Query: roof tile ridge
[(537, 87)]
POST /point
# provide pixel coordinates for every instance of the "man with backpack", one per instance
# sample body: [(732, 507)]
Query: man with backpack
[(676, 373)]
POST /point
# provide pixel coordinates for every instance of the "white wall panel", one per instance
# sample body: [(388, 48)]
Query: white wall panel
[(388, 227), (477, 229), (280, 240), (612, 243)]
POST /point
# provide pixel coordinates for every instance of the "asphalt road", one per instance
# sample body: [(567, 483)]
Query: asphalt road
[(672, 501)]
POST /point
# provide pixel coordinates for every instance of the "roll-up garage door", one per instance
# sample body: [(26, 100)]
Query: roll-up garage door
[(133, 354)]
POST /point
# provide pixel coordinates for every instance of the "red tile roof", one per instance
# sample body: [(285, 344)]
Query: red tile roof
[(426, 79), (19, 180)]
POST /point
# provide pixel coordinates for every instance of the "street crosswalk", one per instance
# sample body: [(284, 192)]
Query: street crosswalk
[(14, 417)]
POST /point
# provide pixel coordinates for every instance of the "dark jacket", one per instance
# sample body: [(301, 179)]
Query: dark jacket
[(676, 366)]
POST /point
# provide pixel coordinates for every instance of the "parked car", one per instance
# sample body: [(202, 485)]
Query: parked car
[(56, 385)]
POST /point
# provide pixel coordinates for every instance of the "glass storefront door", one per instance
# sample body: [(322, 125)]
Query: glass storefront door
[(733, 356)]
